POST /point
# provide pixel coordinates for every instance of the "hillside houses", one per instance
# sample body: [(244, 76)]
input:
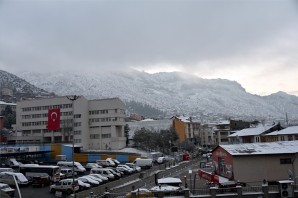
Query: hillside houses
[(287, 134), (253, 134)]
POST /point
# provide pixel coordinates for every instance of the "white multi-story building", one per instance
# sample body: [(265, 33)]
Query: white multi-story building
[(96, 124)]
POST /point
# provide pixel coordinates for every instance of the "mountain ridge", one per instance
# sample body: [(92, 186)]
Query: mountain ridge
[(172, 93)]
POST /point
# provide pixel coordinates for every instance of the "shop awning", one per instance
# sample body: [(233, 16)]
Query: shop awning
[(217, 179)]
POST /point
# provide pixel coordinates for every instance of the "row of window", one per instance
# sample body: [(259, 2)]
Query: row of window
[(102, 120), (45, 115), (97, 136), (41, 123), (40, 108), (28, 132), (94, 112)]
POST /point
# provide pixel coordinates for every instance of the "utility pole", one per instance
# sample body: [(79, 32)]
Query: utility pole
[(73, 99)]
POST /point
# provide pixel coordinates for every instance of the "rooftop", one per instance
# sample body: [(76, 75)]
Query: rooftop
[(252, 131), (287, 131), (265, 148)]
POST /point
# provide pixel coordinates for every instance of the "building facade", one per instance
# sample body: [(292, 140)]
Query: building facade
[(186, 129), (254, 162), (94, 124)]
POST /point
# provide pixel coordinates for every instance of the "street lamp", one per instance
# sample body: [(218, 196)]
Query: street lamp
[(73, 99)]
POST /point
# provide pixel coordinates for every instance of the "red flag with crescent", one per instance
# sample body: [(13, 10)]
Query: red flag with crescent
[(53, 119)]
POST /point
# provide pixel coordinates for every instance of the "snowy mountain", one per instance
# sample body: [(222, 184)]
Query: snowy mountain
[(173, 93), (20, 87)]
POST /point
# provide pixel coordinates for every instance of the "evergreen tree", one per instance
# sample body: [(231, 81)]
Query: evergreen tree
[(9, 117), (126, 133)]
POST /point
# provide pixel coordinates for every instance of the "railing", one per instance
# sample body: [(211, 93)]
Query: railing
[(252, 189), (274, 188)]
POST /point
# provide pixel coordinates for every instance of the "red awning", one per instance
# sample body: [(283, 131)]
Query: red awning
[(219, 180)]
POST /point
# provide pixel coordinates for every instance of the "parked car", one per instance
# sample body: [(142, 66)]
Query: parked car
[(7, 177), (7, 189), (103, 178), (143, 163), (129, 170), (89, 180), (103, 172), (116, 174), (42, 180), (65, 185), (89, 166), (94, 178), (161, 160), (83, 185), (134, 167), (102, 163), (67, 172)]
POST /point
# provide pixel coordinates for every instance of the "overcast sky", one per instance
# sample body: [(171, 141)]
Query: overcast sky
[(252, 42)]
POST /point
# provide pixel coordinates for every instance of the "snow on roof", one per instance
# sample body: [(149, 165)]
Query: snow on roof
[(169, 180), (223, 122), (183, 118), (165, 188), (147, 119), (6, 103), (265, 148), (252, 131), (286, 131)]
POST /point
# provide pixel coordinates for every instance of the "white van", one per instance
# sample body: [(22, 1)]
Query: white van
[(65, 185), (77, 166), (143, 163), (67, 172), (7, 178)]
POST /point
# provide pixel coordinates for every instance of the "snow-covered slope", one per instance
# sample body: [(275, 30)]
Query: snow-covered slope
[(171, 92), (19, 86)]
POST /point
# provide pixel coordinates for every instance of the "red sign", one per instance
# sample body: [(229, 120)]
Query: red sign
[(206, 175), (53, 119)]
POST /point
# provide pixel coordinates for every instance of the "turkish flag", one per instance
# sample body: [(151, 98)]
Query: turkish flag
[(53, 119)]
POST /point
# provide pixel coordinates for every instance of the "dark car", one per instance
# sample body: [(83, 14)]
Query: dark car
[(41, 180)]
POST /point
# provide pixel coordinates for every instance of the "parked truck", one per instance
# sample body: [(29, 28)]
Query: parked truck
[(143, 163)]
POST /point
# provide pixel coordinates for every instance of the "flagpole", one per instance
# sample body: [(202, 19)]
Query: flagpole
[(73, 99)]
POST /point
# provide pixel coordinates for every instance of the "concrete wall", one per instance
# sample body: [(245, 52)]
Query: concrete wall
[(254, 169)]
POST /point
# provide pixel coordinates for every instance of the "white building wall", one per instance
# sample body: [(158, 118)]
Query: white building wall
[(32, 117)]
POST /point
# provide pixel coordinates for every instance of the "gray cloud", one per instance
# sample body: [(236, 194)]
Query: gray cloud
[(63, 34)]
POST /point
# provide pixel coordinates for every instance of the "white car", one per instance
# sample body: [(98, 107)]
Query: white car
[(94, 178), (83, 185), (89, 166), (103, 178), (65, 185), (129, 170), (7, 189), (89, 180), (161, 160), (134, 167)]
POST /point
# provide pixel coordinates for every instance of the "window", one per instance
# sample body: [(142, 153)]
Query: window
[(105, 136), (77, 116), (94, 136), (286, 161)]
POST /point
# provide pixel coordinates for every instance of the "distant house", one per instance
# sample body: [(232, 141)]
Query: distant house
[(253, 134), (254, 162), (287, 134), (186, 128)]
